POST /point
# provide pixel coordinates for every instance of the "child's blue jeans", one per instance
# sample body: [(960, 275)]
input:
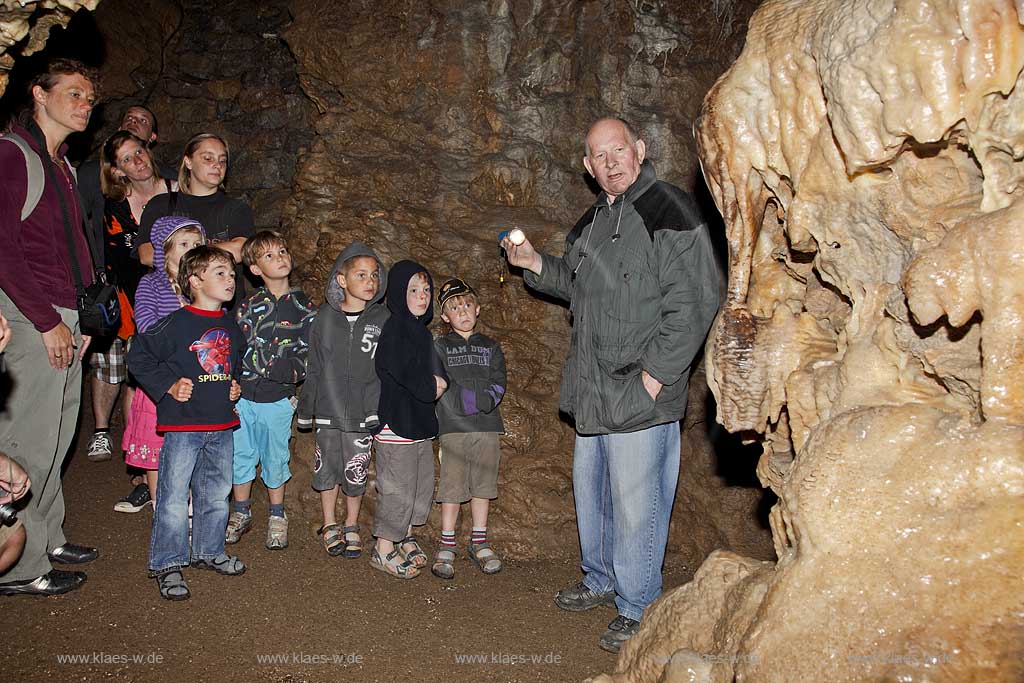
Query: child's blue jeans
[(200, 461)]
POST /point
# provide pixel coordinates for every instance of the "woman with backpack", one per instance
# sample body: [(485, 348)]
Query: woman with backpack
[(45, 252)]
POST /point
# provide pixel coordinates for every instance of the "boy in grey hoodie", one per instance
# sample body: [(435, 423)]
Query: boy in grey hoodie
[(342, 390)]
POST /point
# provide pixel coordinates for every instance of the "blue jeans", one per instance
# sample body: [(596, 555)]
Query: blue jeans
[(200, 461), (624, 485)]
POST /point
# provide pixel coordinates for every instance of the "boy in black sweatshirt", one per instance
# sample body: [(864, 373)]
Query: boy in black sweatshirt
[(342, 390), (188, 363), (411, 379)]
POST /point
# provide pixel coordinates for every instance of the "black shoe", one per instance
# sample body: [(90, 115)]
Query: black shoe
[(69, 553), (619, 631), (136, 500), (54, 582), (580, 598)]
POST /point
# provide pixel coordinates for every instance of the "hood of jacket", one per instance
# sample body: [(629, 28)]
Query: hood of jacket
[(398, 283), (334, 293), (164, 228)]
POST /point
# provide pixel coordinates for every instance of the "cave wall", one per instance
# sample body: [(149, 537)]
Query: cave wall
[(425, 129), (866, 157), (201, 67), (442, 123)]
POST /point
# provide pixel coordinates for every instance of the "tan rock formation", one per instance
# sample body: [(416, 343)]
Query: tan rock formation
[(866, 156), (34, 19)]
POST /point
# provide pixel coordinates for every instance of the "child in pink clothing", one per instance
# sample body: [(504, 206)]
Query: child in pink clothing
[(157, 296)]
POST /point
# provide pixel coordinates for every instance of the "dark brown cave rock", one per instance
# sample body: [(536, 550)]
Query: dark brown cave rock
[(424, 129), (442, 124), (206, 67)]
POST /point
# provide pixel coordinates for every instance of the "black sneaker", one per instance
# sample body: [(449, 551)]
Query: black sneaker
[(579, 598), (619, 631), (134, 501)]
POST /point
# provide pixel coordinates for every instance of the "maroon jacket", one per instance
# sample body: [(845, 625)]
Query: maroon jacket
[(35, 270)]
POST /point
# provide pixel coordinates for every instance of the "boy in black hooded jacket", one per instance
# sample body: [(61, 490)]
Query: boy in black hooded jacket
[(411, 381)]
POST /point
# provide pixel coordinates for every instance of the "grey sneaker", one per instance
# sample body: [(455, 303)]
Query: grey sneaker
[(238, 524), (277, 533), (619, 631), (579, 598), (100, 447)]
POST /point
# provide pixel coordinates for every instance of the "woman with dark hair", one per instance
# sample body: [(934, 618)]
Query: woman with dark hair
[(129, 179), (38, 296), (204, 167)]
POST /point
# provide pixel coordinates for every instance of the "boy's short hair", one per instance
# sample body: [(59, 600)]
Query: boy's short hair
[(196, 261), (455, 288), (347, 263), (257, 245)]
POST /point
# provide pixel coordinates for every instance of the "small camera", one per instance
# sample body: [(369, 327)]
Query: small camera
[(8, 515)]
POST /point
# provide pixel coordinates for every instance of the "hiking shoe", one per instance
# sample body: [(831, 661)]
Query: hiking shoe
[(238, 524), (580, 598), (277, 533), (100, 447), (619, 631), (134, 501)]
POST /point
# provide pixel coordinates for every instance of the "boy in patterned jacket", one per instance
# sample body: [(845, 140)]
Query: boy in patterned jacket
[(275, 322)]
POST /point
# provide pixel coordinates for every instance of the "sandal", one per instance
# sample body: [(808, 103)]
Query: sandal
[(444, 563), (353, 542), (333, 539), (392, 565), (172, 585), (227, 565), (484, 558), (416, 557)]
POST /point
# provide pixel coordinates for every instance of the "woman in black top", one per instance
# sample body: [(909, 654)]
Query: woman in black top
[(204, 166)]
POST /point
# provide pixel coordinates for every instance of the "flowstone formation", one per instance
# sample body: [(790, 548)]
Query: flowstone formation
[(25, 25), (442, 123), (866, 156)]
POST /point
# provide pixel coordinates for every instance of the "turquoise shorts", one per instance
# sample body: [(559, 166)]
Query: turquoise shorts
[(263, 438)]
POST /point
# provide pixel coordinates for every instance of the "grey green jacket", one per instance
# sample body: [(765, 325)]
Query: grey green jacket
[(642, 287), (476, 384), (342, 389)]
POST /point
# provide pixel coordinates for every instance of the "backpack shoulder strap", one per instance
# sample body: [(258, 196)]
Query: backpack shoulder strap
[(34, 171)]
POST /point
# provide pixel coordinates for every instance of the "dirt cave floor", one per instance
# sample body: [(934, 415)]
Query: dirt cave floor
[(295, 616)]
